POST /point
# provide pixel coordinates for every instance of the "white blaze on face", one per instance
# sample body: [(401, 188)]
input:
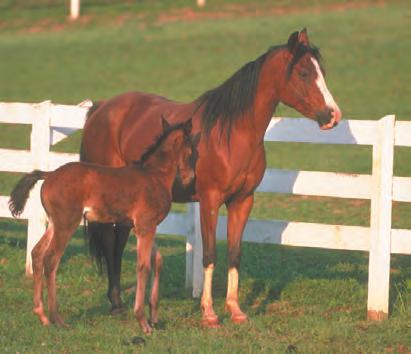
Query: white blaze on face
[(328, 98)]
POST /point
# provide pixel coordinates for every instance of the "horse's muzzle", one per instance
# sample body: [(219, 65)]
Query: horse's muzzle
[(329, 118)]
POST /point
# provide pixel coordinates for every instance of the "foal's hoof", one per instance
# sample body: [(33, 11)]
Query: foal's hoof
[(210, 322), (59, 322), (39, 311), (147, 329)]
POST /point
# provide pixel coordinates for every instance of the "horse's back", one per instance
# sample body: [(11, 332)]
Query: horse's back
[(119, 129)]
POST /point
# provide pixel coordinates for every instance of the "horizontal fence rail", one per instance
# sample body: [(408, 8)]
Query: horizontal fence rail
[(52, 122)]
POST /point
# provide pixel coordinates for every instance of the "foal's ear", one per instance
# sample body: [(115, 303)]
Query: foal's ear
[(166, 126), (188, 126), (303, 37)]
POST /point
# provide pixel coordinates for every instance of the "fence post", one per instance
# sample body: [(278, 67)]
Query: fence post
[(381, 209), (74, 9), (39, 146), (190, 242), (194, 251)]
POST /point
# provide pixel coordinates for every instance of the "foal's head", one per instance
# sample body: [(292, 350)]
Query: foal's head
[(183, 149), (304, 86)]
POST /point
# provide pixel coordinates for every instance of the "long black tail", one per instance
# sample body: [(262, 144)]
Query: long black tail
[(21, 191)]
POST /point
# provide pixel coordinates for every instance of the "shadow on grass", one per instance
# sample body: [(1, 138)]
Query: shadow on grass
[(266, 270)]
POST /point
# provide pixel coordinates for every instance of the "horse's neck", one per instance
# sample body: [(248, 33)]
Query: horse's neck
[(266, 98)]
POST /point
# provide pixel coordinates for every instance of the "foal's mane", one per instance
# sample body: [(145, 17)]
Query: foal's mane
[(235, 97), (158, 141)]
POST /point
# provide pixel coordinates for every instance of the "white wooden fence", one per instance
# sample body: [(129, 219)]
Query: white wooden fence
[(51, 123)]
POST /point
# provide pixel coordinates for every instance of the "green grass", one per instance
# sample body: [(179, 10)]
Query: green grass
[(312, 299)]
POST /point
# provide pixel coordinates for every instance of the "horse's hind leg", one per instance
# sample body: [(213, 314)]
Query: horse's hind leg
[(121, 233), (144, 248), (110, 241), (52, 259), (37, 255), (156, 263)]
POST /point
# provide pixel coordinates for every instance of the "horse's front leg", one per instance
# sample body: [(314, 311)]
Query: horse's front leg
[(144, 248), (238, 212), (121, 234), (209, 215)]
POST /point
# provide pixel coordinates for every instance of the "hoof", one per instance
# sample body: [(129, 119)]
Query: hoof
[(118, 310), (239, 318), (61, 324), (58, 322), (45, 321), (210, 322), (147, 329), (39, 311)]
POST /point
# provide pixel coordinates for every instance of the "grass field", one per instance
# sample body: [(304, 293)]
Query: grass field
[(309, 300)]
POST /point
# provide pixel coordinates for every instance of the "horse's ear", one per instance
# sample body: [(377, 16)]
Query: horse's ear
[(166, 126), (188, 126), (293, 42), (303, 37)]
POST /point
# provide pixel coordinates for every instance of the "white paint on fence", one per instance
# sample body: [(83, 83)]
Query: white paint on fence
[(74, 9), (381, 206), (51, 123), (326, 184)]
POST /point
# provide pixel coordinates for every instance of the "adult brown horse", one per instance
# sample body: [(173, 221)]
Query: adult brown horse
[(232, 118)]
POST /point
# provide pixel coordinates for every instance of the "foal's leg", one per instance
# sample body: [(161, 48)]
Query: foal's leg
[(238, 212), (52, 259), (144, 248), (209, 215), (157, 264), (37, 255)]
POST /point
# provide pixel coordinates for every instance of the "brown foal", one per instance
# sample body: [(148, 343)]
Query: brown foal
[(139, 194)]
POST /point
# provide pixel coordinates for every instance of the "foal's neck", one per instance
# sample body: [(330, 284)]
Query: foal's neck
[(162, 166)]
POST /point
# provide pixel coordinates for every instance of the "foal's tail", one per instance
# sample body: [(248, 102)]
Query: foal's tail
[(21, 191)]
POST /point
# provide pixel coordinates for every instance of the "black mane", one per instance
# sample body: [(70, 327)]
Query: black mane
[(159, 140), (235, 97)]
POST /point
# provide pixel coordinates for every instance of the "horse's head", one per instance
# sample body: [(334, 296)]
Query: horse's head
[(183, 150), (304, 87)]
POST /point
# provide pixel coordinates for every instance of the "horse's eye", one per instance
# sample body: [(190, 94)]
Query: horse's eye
[(304, 74)]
